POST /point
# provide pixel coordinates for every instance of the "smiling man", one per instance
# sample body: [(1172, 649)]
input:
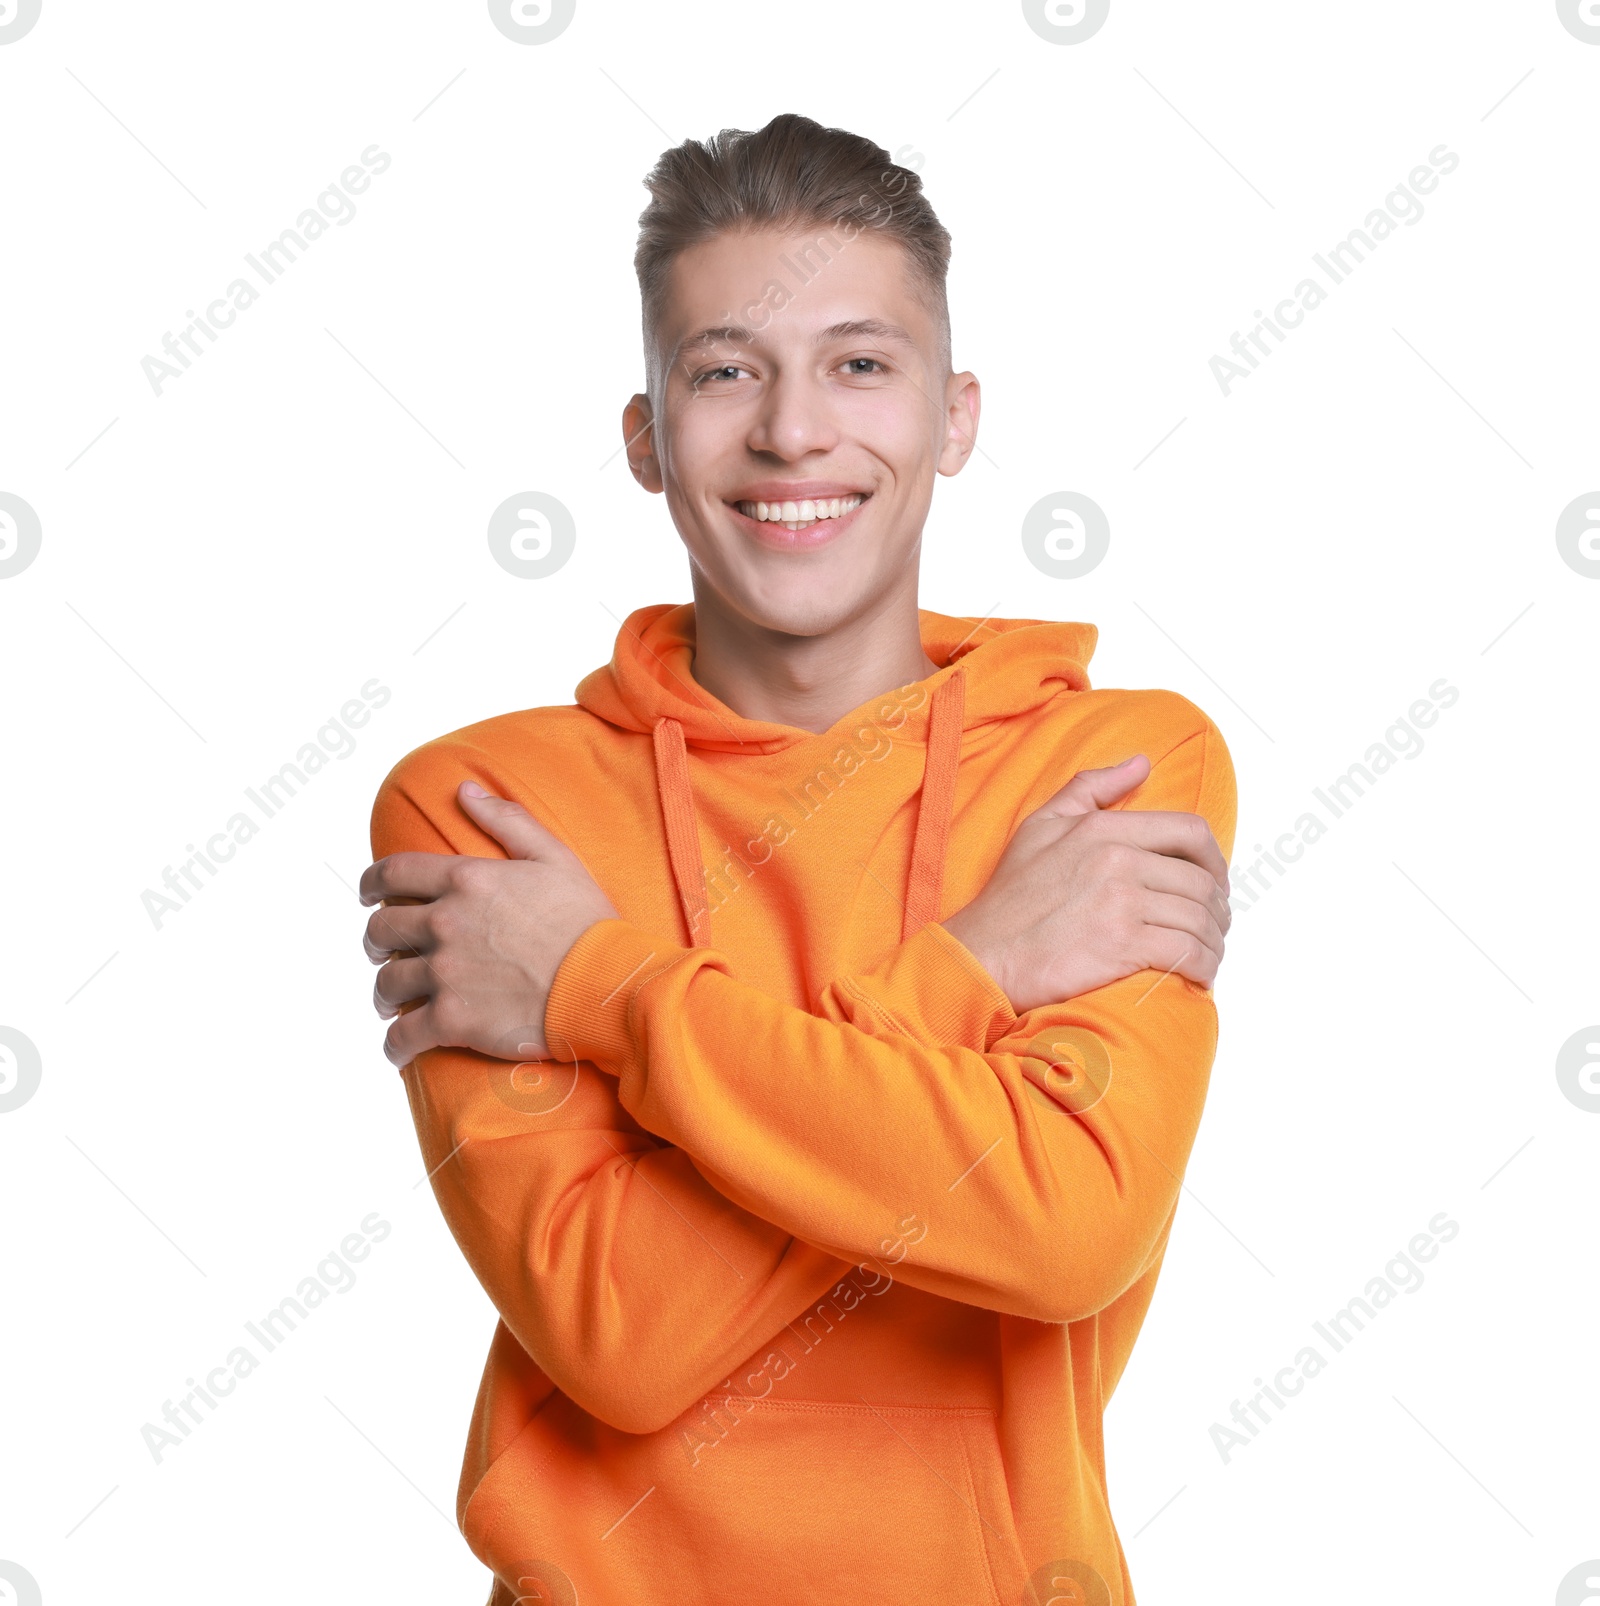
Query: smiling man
[(808, 1029)]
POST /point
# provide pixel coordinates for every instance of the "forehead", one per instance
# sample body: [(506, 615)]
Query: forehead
[(793, 285)]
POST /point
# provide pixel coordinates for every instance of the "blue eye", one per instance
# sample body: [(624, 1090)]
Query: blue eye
[(850, 363)]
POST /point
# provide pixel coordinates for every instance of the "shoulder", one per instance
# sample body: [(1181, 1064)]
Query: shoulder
[(416, 806), (1148, 720), (1157, 718), (1191, 768)]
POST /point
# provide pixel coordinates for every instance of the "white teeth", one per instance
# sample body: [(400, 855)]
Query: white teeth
[(797, 515)]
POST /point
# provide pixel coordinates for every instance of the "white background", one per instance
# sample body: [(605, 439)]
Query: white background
[(226, 564)]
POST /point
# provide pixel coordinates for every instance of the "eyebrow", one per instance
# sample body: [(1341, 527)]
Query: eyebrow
[(734, 334), (737, 335), (871, 328)]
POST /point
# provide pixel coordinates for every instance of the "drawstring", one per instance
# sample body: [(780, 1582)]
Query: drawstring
[(924, 880), (683, 830), (926, 877)]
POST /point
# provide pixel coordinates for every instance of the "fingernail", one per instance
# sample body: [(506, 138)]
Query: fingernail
[(472, 789)]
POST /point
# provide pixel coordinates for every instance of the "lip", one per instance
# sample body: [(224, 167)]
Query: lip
[(774, 537), (795, 491)]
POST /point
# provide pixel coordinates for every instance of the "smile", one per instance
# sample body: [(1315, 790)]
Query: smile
[(800, 515)]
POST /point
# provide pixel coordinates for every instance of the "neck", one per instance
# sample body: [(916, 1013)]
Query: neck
[(810, 682)]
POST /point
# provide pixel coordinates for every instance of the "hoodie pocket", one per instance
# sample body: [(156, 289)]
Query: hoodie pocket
[(779, 1501)]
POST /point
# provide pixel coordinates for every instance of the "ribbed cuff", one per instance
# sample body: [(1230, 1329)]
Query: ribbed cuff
[(934, 985), (587, 1015), (984, 993)]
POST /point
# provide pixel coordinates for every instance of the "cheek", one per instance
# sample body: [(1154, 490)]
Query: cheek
[(898, 428), (696, 438)]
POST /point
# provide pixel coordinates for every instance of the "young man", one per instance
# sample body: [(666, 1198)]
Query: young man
[(808, 1030)]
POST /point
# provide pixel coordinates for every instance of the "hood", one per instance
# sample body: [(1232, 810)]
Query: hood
[(989, 670), (1010, 666)]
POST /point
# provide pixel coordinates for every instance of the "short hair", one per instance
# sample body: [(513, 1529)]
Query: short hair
[(791, 174)]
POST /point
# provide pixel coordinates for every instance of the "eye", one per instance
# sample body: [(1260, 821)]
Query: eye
[(854, 365), (723, 371)]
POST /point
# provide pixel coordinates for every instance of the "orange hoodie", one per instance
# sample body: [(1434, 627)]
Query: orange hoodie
[(816, 1264)]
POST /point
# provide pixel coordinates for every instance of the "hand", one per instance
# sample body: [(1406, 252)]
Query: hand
[(1084, 896), (472, 945)]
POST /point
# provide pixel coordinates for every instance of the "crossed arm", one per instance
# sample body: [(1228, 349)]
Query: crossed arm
[(1025, 1080)]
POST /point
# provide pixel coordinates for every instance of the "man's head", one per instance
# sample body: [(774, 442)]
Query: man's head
[(797, 350)]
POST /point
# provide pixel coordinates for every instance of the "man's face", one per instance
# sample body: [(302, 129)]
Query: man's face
[(802, 412)]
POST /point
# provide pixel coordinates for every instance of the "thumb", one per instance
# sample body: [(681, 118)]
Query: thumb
[(507, 822), (1090, 790)]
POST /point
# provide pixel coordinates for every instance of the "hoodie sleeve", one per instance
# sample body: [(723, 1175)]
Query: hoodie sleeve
[(629, 1279), (1042, 1154)]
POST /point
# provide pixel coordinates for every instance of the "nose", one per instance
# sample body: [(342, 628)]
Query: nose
[(794, 418)]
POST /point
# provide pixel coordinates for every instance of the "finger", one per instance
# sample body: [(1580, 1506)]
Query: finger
[(413, 1034), (1179, 953), (1095, 789), (1164, 913), (407, 875), (1169, 831), (1162, 873), (402, 981), (508, 823), (396, 929)]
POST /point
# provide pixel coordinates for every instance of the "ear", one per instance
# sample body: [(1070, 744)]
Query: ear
[(638, 434), (962, 404)]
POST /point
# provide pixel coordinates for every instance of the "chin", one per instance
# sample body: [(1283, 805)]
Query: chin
[(801, 594), (799, 611)]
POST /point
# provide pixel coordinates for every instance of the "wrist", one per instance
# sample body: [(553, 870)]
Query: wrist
[(586, 1012), (969, 931)]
